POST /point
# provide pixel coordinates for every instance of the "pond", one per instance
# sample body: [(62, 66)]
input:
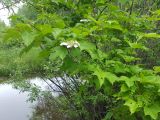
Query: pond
[(13, 103)]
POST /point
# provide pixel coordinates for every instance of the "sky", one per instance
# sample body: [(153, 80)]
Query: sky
[(5, 13)]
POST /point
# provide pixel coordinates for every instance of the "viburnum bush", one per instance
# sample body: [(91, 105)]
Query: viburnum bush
[(99, 42)]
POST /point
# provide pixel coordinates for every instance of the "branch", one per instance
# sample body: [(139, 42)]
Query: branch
[(8, 6), (54, 90), (102, 11)]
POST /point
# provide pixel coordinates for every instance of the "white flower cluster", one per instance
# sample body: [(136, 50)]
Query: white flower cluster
[(84, 20), (70, 44)]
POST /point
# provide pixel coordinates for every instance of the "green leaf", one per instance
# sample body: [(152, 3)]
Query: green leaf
[(89, 47), (85, 45), (100, 2), (35, 43), (56, 32), (11, 34), (111, 77), (70, 66), (157, 12), (75, 52), (60, 52), (154, 80), (151, 35), (101, 76), (28, 38), (156, 69), (112, 24), (44, 54), (137, 46), (132, 105), (135, 69), (129, 81), (129, 58), (45, 29), (108, 116), (152, 110), (59, 23), (93, 19), (124, 88)]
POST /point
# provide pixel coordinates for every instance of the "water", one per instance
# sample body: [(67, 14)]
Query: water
[(13, 105)]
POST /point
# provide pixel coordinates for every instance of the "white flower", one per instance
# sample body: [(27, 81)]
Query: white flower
[(76, 44), (70, 44), (63, 44), (84, 20)]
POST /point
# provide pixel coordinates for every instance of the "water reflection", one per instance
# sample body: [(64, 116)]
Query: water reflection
[(13, 105)]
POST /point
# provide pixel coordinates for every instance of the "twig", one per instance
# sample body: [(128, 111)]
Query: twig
[(131, 9), (8, 6)]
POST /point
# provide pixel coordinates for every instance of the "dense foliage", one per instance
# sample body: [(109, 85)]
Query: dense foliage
[(104, 52)]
